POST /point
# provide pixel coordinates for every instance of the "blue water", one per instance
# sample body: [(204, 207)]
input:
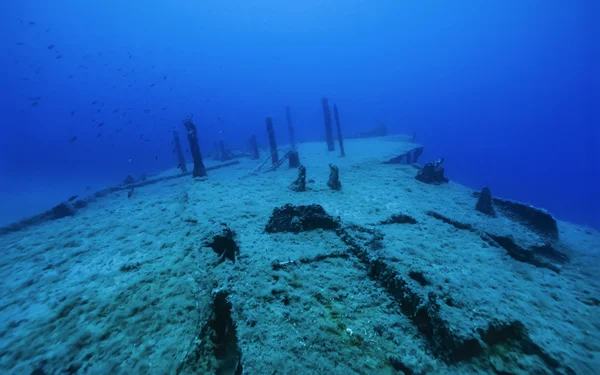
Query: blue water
[(506, 91)]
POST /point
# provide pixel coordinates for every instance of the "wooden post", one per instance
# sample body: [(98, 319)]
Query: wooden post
[(223, 154), (339, 130), (199, 170), (272, 143), (288, 114), (180, 157), (293, 158), (328, 129), (254, 148)]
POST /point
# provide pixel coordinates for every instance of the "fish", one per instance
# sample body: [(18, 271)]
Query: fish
[(34, 104), (99, 109), (34, 98), (50, 46), (152, 85), (73, 139), (59, 57), (130, 193), (32, 23), (94, 102), (72, 113), (20, 44), (72, 198), (119, 130), (100, 124), (156, 157), (164, 78), (116, 110), (99, 134), (146, 110)]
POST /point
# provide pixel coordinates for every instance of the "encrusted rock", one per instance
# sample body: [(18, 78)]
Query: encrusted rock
[(334, 178)]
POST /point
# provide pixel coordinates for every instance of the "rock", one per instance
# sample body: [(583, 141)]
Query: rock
[(484, 203), (300, 183), (334, 178), (432, 173), (296, 219)]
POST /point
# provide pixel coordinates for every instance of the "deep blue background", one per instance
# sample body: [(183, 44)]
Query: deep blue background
[(506, 92)]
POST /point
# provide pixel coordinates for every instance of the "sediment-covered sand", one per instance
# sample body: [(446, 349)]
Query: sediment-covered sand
[(183, 278)]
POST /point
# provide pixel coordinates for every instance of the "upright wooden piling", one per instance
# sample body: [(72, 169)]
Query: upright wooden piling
[(199, 169), (293, 158), (180, 158), (339, 130), (272, 143), (254, 148), (288, 114), (223, 154), (328, 128)]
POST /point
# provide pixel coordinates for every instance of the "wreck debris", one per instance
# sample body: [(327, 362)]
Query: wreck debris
[(537, 219), (129, 180), (484, 203), (416, 154), (328, 127), (339, 130), (180, 158), (199, 169), (272, 142), (432, 173), (288, 115), (296, 219), (334, 178), (223, 243), (399, 219), (300, 183)]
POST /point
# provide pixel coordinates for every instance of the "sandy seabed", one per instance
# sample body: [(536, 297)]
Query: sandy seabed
[(184, 278)]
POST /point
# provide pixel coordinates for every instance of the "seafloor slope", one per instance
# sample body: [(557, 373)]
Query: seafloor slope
[(387, 276)]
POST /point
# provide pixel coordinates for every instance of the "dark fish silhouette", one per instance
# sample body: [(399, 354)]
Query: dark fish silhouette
[(20, 44), (72, 113), (116, 110), (73, 139), (164, 78), (32, 23), (130, 193), (100, 124), (34, 104), (34, 98), (98, 110), (72, 198), (99, 134), (94, 102), (156, 158), (50, 46), (119, 130), (59, 57)]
